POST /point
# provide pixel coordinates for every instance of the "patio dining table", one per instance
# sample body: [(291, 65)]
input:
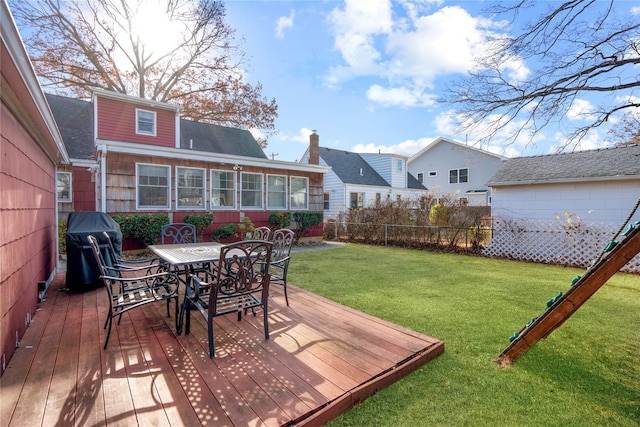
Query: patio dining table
[(183, 257)]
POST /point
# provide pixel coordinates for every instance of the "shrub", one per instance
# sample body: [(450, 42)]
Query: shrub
[(145, 228), (280, 219), (62, 236), (200, 221), (223, 232), (306, 220), (245, 226)]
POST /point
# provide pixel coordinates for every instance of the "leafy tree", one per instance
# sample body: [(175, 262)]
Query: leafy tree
[(179, 51), (579, 50)]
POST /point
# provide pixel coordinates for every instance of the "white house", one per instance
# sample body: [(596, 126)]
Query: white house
[(449, 168), (597, 185), (358, 180)]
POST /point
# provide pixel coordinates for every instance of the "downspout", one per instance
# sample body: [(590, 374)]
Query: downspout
[(103, 178)]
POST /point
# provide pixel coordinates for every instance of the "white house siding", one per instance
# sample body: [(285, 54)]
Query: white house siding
[(443, 156), (600, 201), (386, 166)]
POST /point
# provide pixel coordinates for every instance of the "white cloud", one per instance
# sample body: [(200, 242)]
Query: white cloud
[(408, 50), (401, 97), (284, 23), (405, 148), (580, 109)]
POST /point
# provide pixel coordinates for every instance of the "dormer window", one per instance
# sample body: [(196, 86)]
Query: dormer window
[(145, 122)]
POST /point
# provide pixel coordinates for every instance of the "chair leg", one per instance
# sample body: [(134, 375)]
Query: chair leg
[(266, 322), (212, 351), (186, 309), (106, 341), (286, 297)]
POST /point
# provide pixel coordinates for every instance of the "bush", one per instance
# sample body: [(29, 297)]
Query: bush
[(200, 221), (145, 228), (280, 219), (62, 237), (223, 232), (306, 220)]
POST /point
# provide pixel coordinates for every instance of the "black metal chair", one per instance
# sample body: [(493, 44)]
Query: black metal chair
[(150, 264), (245, 286), (282, 243), (128, 290), (262, 233), (178, 232)]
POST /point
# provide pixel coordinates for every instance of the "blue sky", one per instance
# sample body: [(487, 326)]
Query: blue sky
[(365, 73)]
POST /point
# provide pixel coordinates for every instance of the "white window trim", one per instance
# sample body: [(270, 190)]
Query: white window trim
[(153, 208), (433, 174), (284, 207), (230, 206), (253, 208), (155, 121), (458, 176), (306, 208), (70, 198), (204, 190)]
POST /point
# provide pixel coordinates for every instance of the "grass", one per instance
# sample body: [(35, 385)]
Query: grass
[(584, 374)]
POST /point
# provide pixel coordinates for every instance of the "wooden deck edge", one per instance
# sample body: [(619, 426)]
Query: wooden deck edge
[(348, 400)]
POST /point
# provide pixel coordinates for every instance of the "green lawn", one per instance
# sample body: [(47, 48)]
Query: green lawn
[(586, 373)]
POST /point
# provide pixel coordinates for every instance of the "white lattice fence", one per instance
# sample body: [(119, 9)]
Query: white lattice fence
[(553, 242)]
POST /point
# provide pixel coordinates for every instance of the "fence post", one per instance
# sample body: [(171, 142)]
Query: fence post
[(385, 234)]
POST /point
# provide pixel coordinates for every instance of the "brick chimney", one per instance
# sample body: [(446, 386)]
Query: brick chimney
[(314, 149)]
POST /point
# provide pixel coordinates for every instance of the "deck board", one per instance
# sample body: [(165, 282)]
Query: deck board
[(321, 359)]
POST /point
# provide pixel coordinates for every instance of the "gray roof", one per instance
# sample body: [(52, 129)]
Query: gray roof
[(218, 139), (351, 168), (579, 165), (74, 118)]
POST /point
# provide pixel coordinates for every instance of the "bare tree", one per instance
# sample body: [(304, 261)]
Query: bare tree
[(627, 131), (79, 45), (577, 49)]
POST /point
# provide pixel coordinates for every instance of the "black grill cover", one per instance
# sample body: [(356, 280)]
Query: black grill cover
[(82, 270)]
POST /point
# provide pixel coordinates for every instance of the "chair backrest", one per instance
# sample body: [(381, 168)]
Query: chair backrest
[(243, 270), (178, 232), (262, 233), (282, 243), (112, 250), (97, 254)]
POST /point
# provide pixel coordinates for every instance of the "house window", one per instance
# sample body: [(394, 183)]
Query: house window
[(145, 122), (433, 173), (190, 184), (63, 186), (399, 165), (356, 200), (223, 189), (250, 190), (299, 192), (326, 201), (420, 177), (458, 176), (152, 186), (276, 192)]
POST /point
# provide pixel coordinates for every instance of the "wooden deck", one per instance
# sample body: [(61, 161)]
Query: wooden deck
[(321, 360)]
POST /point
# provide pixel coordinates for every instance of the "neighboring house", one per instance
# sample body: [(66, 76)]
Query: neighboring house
[(457, 170), (31, 149), (597, 185), (359, 180), (146, 159), (564, 208)]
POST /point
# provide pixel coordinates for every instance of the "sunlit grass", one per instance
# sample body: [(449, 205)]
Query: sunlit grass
[(586, 373)]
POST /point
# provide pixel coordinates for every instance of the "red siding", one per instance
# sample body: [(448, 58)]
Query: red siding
[(27, 230), (117, 122), (84, 190)]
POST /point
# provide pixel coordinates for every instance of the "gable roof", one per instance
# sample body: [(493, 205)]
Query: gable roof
[(218, 139), (607, 163), (351, 168), (74, 118), (441, 140)]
